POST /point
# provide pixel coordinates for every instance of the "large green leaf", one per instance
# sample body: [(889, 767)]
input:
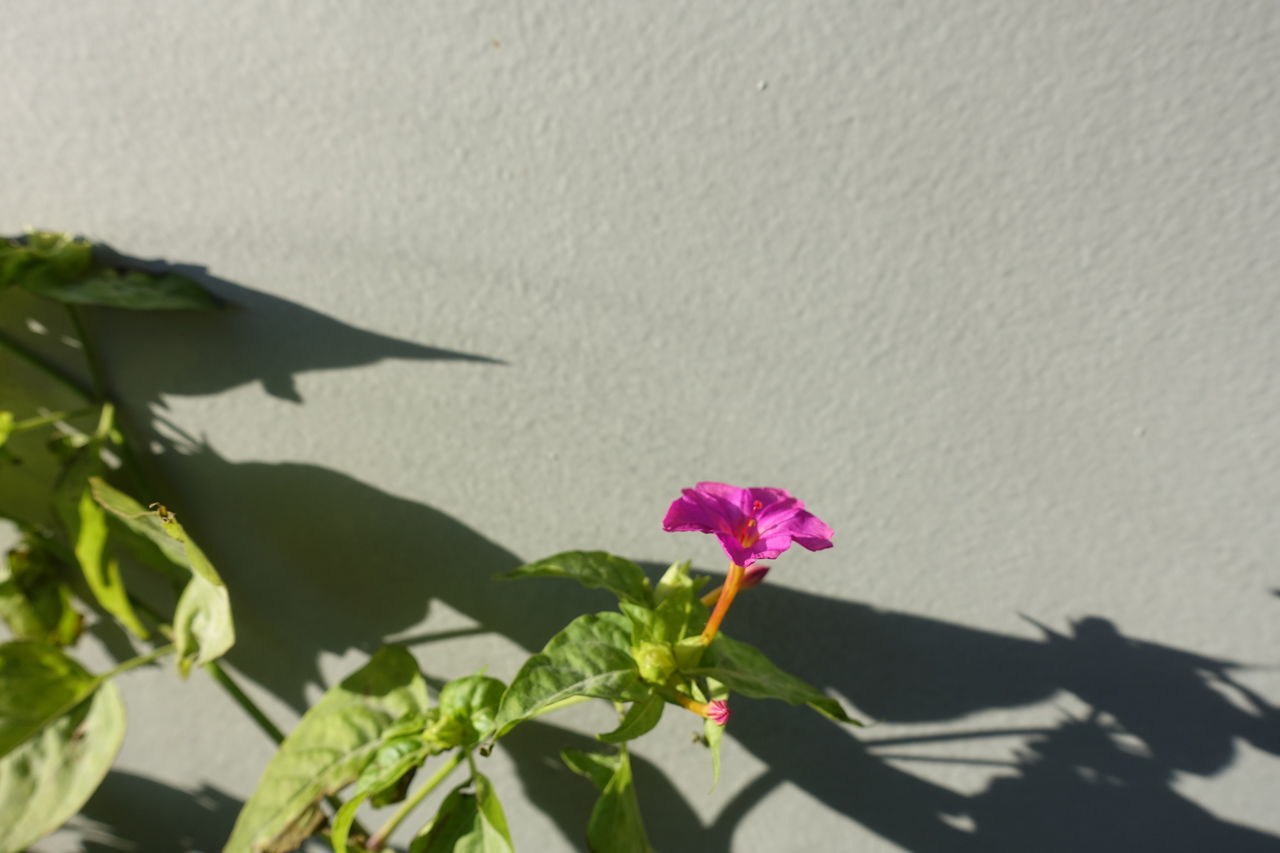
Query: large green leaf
[(469, 821), (38, 684), (202, 623), (615, 825), (50, 776), (331, 746), (595, 570), (589, 658), (86, 526), (744, 669)]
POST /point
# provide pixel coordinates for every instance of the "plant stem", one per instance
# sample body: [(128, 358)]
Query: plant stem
[(96, 374), (242, 699), (45, 420), (379, 838), (54, 373), (140, 660)]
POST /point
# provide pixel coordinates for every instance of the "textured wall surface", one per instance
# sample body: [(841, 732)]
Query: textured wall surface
[(993, 286)]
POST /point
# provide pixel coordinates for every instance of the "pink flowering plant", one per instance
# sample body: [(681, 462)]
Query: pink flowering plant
[(362, 743)]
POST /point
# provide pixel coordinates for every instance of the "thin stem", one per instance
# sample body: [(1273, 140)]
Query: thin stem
[(727, 595), (140, 660), (242, 699), (45, 420), (96, 373), (54, 373), (379, 838)]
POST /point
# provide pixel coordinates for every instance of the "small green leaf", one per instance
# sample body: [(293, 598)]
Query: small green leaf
[(6, 426), (473, 701), (470, 821), (52, 774), (744, 669), (594, 570), (202, 623), (332, 744), (597, 767), (590, 657), (640, 718), (675, 581), (86, 527), (615, 825), (38, 684)]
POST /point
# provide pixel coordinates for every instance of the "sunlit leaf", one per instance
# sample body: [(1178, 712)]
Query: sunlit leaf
[(744, 669), (643, 715), (615, 825), (46, 780), (473, 701), (38, 684), (202, 623), (589, 658), (470, 820), (332, 744), (35, 601), (595, 570)]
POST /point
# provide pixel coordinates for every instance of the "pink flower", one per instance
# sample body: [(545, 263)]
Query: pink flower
[(718, 711), (751, 524)]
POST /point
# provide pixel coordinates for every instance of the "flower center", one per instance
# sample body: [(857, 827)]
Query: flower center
[(749, 533)]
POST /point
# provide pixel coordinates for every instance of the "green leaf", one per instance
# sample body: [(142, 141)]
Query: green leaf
[(590, 657), (744, 669), (594, 570), (712, 732), (385, 779), (597, 767), (202, 623), (640, 718), (38, 684), (332, 744), (131, 289), (470, 821), (6, 426), (35, 601), (615, 825), (473, 701), (51, 775), (86, 527)]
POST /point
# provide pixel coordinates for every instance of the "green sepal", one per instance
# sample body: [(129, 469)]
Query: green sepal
[(473, 701)]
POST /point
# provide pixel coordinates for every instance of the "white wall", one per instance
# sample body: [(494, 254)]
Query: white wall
[(992, 286)]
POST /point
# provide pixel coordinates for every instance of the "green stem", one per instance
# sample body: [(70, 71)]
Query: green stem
[(96, 374), (242, 699), (45, 420), (379, 838), (54, 373), (140, 660)]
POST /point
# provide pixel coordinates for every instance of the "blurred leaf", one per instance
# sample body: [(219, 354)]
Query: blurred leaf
[(590, 657), (38, 684), (6, 426), (615, 825), (131, 289), (640, 718), (35, 602), (332, 744), (744, 669), (51, 775), (595, 570), (202, 623), (60, 267), (470, 821)]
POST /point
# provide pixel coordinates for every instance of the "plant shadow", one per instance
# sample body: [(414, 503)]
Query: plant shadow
[(319, 562)]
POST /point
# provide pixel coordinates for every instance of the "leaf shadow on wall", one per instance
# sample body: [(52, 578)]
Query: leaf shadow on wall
[(319, 562)]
